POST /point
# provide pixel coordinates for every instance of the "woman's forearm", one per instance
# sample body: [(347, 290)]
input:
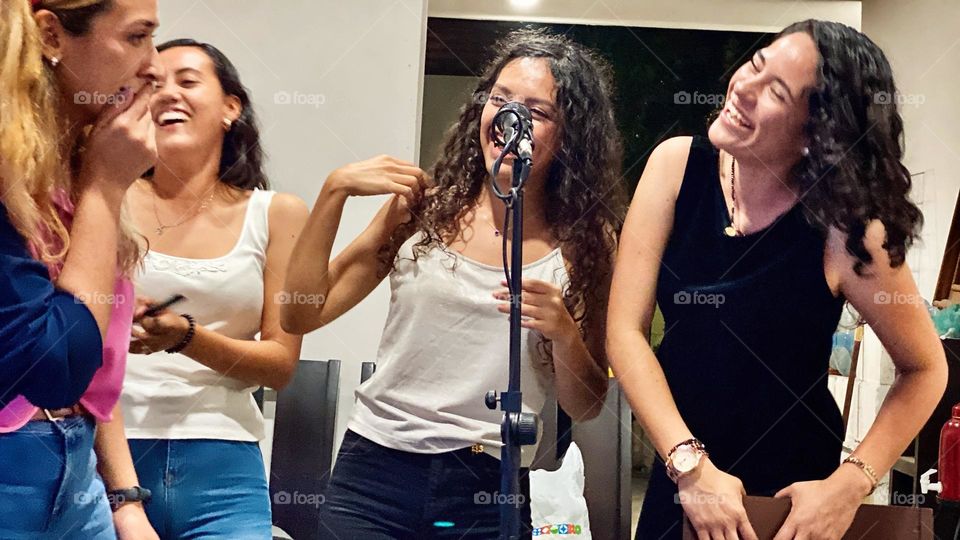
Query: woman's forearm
[(89, 270), (907, 407), (640, 376), (308, 270), (114, 461), (581, 383), (267, 362)]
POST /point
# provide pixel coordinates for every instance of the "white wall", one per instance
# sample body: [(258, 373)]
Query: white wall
[(333, 82), (920, 40), (743, 15)]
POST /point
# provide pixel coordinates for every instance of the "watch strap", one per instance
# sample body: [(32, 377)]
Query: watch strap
[(120, 497)]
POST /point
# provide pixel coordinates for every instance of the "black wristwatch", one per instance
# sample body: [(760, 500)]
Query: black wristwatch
[(120, 497)]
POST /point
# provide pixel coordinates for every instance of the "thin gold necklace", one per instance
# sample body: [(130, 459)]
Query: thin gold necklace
[(161, 227)]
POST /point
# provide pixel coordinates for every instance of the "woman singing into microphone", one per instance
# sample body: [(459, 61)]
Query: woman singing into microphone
[(420, 420), (750, 241)]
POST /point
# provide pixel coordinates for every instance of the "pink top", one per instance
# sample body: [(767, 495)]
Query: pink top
[(104, 390)]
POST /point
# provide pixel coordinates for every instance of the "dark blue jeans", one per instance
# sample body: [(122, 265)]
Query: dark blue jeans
[(378, 493), (49, 486), (204, 488)]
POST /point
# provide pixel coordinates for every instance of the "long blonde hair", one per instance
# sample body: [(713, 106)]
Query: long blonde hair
[(33, 161)]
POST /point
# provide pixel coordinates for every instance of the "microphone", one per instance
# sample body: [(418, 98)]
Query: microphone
[(513, 117)]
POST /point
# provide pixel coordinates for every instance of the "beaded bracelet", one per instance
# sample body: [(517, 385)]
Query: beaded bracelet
[(187, 337)]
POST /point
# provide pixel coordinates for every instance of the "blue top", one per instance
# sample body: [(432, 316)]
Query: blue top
[(50, 344), (749, 324)]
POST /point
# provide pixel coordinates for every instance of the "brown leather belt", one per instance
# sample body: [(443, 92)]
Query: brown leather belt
[(57, 414)]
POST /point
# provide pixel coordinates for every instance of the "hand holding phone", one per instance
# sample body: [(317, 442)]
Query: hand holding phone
[(155, 310)]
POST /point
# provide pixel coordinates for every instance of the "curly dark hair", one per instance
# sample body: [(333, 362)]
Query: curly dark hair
[(853, 172), (242, 157), (585, 199)]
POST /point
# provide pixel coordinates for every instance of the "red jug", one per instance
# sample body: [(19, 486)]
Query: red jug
[(950, 458)]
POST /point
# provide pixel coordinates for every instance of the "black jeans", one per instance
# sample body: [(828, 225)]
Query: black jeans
[(381, 493)]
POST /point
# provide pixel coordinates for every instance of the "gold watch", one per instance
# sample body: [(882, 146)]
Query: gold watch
[(684, 458)]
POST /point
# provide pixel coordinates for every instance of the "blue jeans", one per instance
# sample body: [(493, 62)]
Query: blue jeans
[(378, 493), (49, 486), (204, 488)]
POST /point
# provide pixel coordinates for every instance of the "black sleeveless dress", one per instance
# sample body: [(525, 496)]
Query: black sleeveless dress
[(749, 322)]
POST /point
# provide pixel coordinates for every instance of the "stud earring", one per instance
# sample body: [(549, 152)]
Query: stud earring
[(227, 124), (54, 61)]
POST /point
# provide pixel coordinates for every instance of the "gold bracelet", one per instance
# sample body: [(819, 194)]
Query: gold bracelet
[(867, 470)]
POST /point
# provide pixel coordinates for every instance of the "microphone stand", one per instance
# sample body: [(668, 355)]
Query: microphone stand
[(517, 427)]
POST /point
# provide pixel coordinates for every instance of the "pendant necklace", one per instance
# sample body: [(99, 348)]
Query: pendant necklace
[(731, 230), (161, 227)]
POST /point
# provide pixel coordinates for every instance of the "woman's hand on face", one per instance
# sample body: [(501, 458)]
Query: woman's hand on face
[(713, 501), (542, 308), (157, 333), (382, 175), (122, 144)]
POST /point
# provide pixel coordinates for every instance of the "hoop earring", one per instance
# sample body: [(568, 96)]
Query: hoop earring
[(227, 124)]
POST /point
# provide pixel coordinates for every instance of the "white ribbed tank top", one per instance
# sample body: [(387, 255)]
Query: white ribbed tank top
[(444, 346), (171, 396)]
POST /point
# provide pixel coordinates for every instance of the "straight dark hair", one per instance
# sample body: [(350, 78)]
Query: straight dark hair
[(241, 160)]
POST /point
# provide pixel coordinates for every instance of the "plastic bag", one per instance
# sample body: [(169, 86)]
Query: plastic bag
[(557, 506)]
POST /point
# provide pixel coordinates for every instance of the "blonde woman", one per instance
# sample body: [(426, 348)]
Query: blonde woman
[(74, 133)]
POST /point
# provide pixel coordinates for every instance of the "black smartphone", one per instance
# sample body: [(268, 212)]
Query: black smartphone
[(153, 310)]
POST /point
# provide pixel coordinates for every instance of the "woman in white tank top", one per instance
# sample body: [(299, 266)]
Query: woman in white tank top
[(420, 457), (219, 238)]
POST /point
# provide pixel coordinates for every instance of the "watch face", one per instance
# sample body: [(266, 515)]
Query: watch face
[(685, 459)]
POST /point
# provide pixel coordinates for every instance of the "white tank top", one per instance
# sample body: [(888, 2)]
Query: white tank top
[(171, 396), (444, 346)]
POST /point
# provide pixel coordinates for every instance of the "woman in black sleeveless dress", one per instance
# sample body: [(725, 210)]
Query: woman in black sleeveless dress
[(750, 241)]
